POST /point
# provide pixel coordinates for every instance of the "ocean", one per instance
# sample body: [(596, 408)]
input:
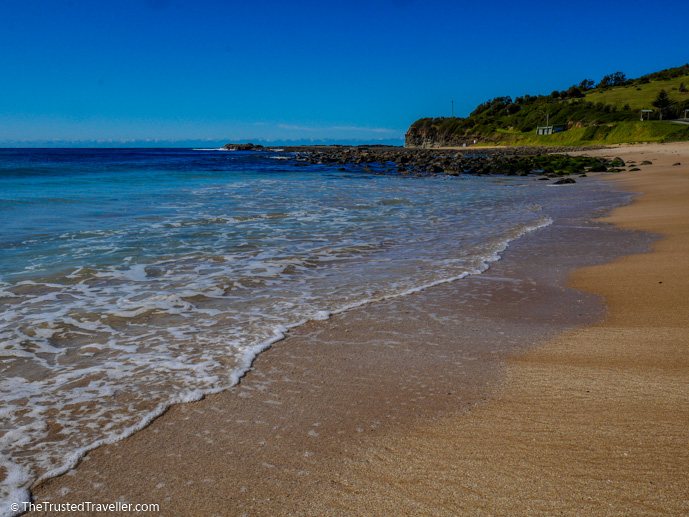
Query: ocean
[(131, 280)]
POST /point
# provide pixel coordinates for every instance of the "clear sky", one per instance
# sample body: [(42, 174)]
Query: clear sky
[(175, 71)]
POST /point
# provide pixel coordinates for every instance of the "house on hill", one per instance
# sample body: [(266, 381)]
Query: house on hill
[(549, 130)]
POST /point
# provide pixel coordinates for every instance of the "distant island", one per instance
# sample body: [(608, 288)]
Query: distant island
[(651, 108)]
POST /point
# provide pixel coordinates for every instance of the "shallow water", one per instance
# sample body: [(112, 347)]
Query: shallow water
[(133, 279)]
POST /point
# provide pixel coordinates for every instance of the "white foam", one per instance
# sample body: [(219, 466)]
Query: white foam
[(19, 478), (231, 302), (249, 356)]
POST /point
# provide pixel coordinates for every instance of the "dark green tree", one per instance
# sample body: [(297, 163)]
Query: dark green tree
[(616, 79), (575, 91), (664, 104)]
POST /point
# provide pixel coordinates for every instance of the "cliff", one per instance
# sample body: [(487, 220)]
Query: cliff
[(428, 134)]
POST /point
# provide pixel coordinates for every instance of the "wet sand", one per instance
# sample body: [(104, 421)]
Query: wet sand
[(593, 423), (407, 407)]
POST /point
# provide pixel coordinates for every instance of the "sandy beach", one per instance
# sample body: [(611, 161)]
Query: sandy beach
[(593, 423), (516, 396)]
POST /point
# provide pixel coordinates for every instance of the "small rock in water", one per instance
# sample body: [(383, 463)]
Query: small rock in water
[(564, 181)]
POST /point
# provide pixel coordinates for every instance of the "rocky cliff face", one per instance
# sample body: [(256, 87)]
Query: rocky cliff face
[(429, 138)]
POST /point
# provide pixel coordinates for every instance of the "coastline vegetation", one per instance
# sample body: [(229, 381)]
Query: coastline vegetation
[(584, 114)]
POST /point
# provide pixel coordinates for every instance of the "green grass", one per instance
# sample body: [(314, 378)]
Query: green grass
[(640, 99), (508, 131), (607, 134)]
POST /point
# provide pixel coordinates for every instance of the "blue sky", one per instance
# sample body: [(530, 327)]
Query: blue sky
[(167, 71)]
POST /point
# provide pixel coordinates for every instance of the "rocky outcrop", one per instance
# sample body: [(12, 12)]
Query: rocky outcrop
[(243, 147), (510, 161), (424, 137), (417, 138)]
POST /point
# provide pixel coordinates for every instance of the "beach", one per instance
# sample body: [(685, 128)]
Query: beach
[(530, 389), (595, 421)]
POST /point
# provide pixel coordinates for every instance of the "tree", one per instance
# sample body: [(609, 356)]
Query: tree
[(616, 79), (663, 103), (586, 84), (575, 92), (606, 82)]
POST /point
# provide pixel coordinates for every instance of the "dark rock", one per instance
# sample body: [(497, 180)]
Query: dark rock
[(617, 162), (677, 163), (243, 147), (542, 161), (598, 168), (564, 181)]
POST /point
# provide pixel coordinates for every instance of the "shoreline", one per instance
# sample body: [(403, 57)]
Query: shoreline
[(252, 355), (474, 392)]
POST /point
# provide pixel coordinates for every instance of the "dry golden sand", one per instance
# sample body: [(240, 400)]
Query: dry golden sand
[(594, 423), (351, 417)]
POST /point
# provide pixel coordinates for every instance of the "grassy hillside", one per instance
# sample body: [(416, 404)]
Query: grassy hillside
[(606, 134), (641, 95), (605, 113)]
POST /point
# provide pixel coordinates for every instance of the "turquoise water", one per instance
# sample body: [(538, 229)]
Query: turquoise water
[(133, 279)]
